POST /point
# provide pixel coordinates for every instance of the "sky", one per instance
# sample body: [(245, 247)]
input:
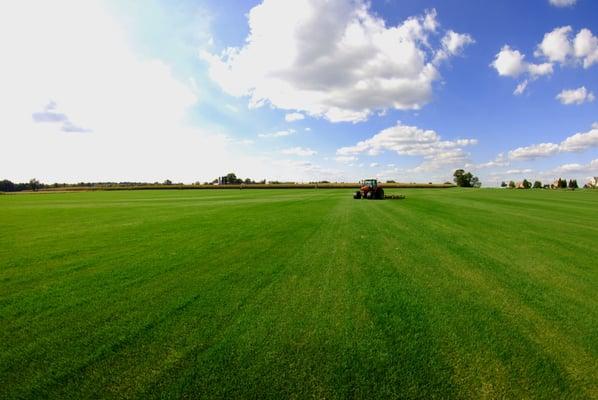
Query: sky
[(301, 90)]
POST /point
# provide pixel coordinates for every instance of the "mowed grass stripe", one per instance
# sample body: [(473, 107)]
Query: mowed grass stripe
[(500, 284), (270, 294)]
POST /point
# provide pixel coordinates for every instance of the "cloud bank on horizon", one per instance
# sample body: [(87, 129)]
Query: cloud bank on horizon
[(305, 90)]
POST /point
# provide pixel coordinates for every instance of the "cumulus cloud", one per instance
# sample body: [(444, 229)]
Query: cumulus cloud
[(586, 47), (299, 151), (576, 96), (556, 45), (277, 134), (412, 141), (575, 143), (292, 117), (559, 46), (511, 63), (333, 59), (563, 3)]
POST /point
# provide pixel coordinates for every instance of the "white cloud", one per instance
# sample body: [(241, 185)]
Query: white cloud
[(586, 47), (575, 143), (536, 70), (277, 134), (509, 62), (520, 89), (413, 141), (299, 151), (452, 44), (307, 129), (292, 117), (576, 96), (534, 151), (581, 141), (333, 59), (576, 168), (559, 46), (405, 140), (374, 165), (562, 3), (556, 45)]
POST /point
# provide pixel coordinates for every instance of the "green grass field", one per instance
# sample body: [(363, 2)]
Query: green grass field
[(299, 293)]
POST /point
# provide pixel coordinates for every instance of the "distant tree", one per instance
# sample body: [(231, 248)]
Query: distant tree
[(231, 179), (503, 184), (512, 185), (562, 183), (464, 179), (34, 184), (526, 184), (573, 184), (537, 185), (167, 182), (475, 182), (390, 181), (7, 186)]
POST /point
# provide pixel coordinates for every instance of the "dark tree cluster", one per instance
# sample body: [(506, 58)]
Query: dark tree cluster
[(466, 179), (232, 179), (8, 186)]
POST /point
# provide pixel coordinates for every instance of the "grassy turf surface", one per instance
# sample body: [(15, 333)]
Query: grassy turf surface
[(299, 293)]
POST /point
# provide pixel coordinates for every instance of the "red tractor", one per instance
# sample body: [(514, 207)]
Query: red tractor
[(369, 190)]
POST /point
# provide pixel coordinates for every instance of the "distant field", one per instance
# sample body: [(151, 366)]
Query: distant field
[(299, 293)]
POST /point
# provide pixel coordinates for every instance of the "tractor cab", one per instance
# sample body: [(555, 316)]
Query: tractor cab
[(372, 184), (369, 190)]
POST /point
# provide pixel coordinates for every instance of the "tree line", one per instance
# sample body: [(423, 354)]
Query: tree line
[(558, 184)]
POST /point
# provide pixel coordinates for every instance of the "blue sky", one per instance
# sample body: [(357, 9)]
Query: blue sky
[(403, 90)]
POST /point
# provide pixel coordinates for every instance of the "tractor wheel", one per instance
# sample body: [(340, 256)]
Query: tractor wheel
[(357, 195), (369, 195), (380, 194)]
